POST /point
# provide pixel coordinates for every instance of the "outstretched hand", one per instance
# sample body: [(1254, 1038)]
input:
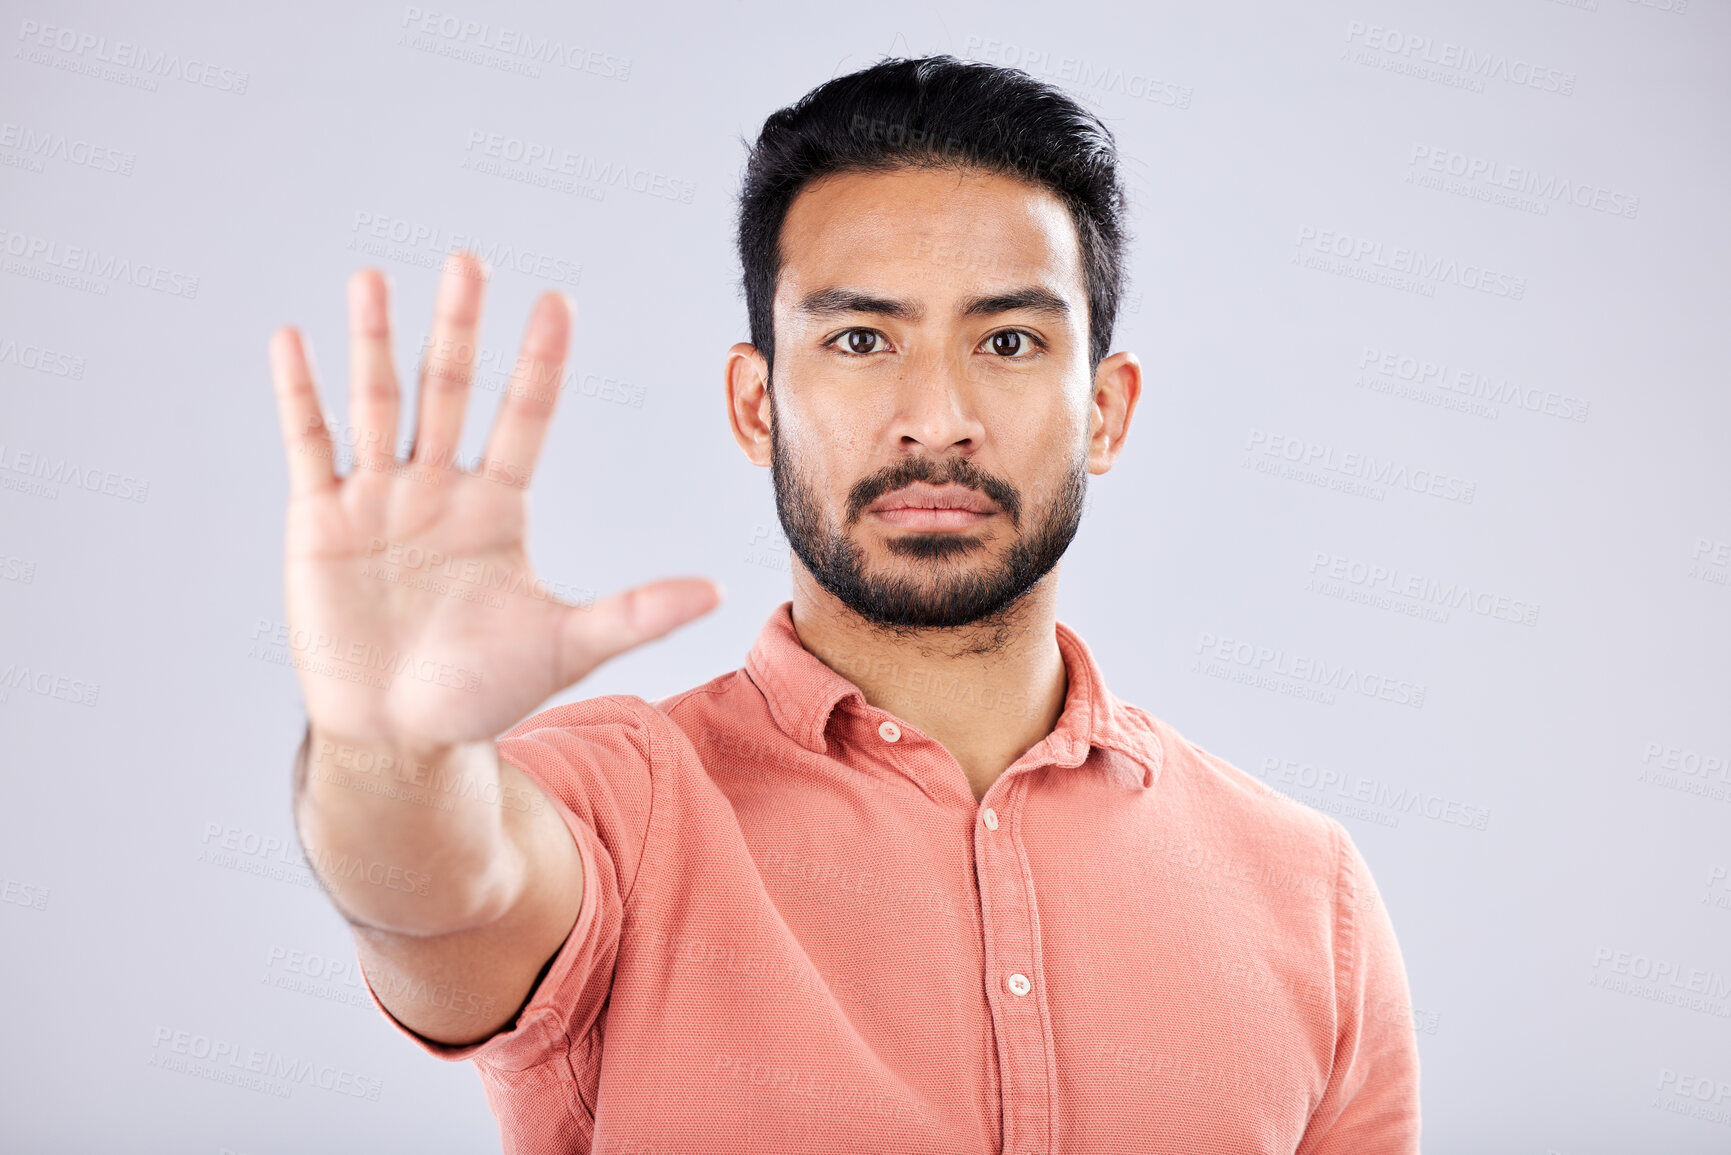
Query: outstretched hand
[(411, 604)]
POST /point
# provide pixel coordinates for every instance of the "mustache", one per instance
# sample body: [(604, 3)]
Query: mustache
[(947, 471)]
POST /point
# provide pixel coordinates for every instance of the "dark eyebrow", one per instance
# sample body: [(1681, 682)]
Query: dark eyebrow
[(828, 302), (1032, 299)]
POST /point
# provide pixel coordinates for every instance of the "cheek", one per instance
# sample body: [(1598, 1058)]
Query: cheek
[(817, 455), (830, 438), (1035, 432), (1048, 460)]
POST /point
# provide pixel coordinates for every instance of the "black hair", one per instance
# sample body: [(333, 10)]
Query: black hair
[(936, 111)]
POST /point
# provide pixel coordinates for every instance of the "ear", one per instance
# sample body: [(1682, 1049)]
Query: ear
[(1117, 388), (747, 381)]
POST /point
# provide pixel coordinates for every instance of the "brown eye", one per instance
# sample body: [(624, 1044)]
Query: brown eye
[(860, 341), (1007, 343)]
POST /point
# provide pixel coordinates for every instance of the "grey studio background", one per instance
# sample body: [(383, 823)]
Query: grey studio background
[(1432, 302)]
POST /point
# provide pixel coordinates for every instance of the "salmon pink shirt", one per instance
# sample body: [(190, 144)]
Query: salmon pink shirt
[(801, 933)]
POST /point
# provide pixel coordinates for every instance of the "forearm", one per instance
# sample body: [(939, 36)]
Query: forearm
[(412, 839)]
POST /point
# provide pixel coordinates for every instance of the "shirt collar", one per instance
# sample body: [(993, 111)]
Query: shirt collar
[(802, 693)]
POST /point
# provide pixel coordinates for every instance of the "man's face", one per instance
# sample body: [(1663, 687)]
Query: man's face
[(931, 341)]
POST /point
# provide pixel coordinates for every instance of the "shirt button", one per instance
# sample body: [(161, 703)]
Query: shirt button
[(991, 818), (889, 731), (1019, 984)]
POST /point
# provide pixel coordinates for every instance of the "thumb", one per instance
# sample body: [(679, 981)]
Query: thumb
[(590, 635)]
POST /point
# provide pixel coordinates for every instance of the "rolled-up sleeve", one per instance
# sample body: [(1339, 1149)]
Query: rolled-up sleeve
[(593, 760)]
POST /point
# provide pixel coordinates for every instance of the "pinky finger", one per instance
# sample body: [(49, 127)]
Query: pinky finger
[(306, 440)]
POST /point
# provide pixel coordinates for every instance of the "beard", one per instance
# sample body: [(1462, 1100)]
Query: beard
[(940, 593)]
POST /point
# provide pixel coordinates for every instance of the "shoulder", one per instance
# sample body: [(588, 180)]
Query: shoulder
[(620, 710), (660, 732), (1227, 805), (598, 755)]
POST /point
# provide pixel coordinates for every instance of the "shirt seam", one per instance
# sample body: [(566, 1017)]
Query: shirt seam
[(676, 700), (1346, 908), (630, 894), (627, 900)]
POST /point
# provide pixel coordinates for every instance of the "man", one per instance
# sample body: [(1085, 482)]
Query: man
[(912, 879)]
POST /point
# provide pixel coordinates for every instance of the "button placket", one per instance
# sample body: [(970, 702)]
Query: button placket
[(1011, 957)]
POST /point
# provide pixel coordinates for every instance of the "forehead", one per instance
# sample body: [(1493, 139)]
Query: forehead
[(931, 234)]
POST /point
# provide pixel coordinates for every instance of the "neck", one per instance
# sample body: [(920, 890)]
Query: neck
[(986, 691)]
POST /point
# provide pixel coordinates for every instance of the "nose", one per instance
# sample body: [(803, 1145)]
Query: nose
[(935, 409)]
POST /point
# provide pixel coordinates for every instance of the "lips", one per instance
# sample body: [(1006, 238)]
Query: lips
[(919, 495), (933, 507)]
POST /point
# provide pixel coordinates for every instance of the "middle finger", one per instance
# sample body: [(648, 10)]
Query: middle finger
[(452, 351)]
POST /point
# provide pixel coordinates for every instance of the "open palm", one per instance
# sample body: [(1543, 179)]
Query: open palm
[(413, 614)]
